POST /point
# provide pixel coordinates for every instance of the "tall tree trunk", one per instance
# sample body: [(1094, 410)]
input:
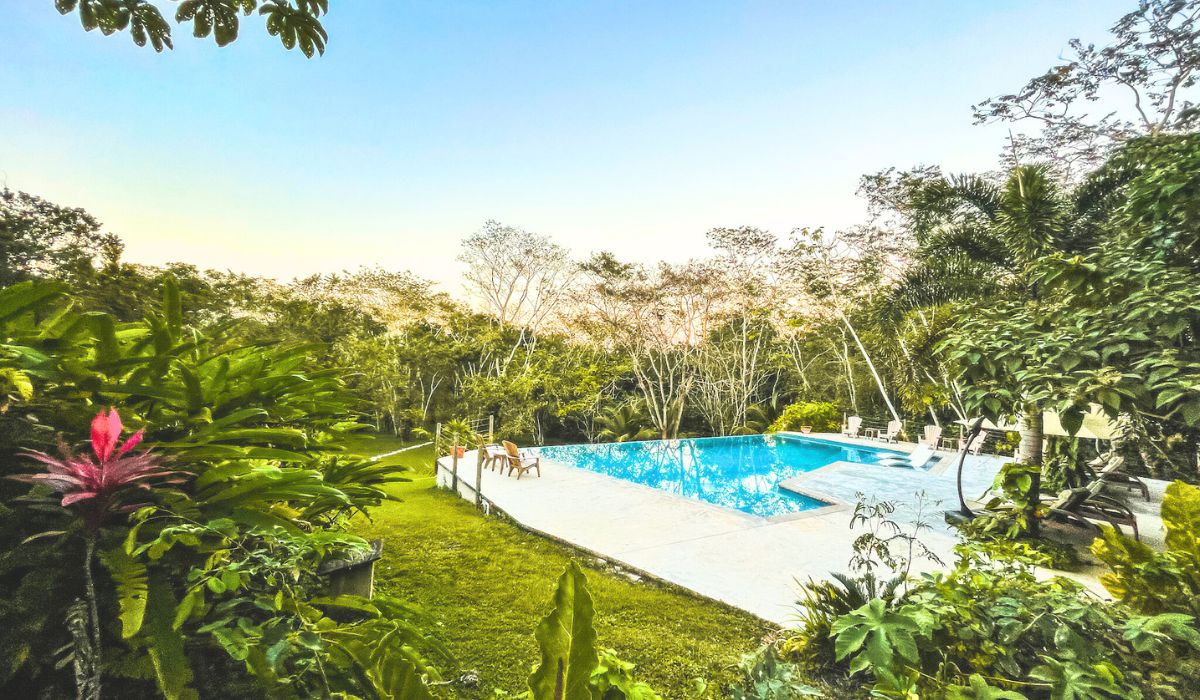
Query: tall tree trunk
[(1031, 454), (870, 366), (850, 390)]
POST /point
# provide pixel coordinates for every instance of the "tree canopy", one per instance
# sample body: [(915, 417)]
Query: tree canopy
[(297, 23)]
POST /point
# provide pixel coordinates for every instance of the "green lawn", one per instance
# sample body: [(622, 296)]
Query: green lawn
[(486, 583)]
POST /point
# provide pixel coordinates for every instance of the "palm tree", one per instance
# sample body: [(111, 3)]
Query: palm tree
[(979, 242), (624, 423)]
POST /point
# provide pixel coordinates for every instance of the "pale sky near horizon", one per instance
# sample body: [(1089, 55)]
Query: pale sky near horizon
[(608, 125)]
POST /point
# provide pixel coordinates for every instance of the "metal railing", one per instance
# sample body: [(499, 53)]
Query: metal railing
[(914, 428)]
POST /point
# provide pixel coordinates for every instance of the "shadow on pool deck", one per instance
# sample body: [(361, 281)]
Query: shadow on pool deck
[(746, 561)]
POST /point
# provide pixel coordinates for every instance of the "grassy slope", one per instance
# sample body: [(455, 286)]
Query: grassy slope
[(486, 584)]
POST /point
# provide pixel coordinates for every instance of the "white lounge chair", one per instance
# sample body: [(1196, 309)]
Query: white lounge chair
[(890, 433), (976, 446), (933, 436), (920, 457), (853, 423), (1110, 474)]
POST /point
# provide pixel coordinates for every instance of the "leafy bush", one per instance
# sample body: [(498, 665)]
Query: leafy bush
[(993, 629), (1154, 582), (626, 422), (992, 531), (884, 545), (821, 603), (209, 582), (768, 677), (822, 416)]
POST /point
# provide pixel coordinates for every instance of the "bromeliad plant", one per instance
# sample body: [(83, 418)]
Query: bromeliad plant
[(98, 489), (107, 485)]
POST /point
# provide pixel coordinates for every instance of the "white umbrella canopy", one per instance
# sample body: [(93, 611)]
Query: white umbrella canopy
[(1096, 425)]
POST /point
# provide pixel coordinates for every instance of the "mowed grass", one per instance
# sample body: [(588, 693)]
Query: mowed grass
[(486, 583)]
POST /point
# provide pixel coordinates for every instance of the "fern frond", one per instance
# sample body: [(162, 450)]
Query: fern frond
[(133, 585)]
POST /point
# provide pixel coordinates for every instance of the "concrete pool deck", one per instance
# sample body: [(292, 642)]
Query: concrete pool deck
[(748, 562)]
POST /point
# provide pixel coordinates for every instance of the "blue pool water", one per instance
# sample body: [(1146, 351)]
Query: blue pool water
[(741, 472)]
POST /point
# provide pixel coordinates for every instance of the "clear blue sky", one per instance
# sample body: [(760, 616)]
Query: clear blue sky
[(624, 125)]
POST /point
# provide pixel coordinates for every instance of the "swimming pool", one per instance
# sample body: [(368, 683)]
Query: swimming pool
[(741, 472)]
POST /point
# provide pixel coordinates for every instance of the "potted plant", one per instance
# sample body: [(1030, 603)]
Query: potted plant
[(459, 434), (806, 429)]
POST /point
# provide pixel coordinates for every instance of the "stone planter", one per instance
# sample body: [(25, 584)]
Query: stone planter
[(354, 573)]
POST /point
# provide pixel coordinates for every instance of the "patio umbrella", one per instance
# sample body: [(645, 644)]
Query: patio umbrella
[(1096, 425)]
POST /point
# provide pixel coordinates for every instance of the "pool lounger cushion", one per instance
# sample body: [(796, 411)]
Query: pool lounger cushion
[(898, 462)]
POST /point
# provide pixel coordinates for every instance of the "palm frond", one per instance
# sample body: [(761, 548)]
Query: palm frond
[(1032, 212), (941, 280)]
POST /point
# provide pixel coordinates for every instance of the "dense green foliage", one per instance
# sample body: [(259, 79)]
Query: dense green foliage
[(1154, 582), (1045, 639), (216, 572), (994, 626), (821, 416)]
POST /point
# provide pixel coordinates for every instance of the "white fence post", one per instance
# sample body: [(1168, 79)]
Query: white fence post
[(437, 446)]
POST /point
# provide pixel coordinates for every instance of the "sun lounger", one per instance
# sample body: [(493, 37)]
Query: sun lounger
[(1108, 470), (920, 457), (1083, 505)]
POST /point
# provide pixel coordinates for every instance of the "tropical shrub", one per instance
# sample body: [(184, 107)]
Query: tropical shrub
[(624, 423), (769, 677), (884, 546), (210, 581), (1152, 581), (994, 627), (97, 490), (992, 532), (1015, 507), (822, 416), (821, 603)]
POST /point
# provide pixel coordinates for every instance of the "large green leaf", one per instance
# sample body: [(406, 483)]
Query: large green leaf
[(172, 307), (977, 688), (885, 637), (567, 642), (27, 296), (1071, 681)]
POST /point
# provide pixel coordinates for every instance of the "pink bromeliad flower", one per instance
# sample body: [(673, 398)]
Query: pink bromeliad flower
[(101, 486)]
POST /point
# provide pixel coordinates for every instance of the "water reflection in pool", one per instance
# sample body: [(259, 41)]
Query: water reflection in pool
[(741, 472)]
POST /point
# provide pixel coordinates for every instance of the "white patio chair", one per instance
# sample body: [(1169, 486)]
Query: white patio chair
[(933, 436)]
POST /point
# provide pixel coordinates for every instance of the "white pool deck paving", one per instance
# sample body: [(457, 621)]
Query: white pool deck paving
[(748, 562)]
